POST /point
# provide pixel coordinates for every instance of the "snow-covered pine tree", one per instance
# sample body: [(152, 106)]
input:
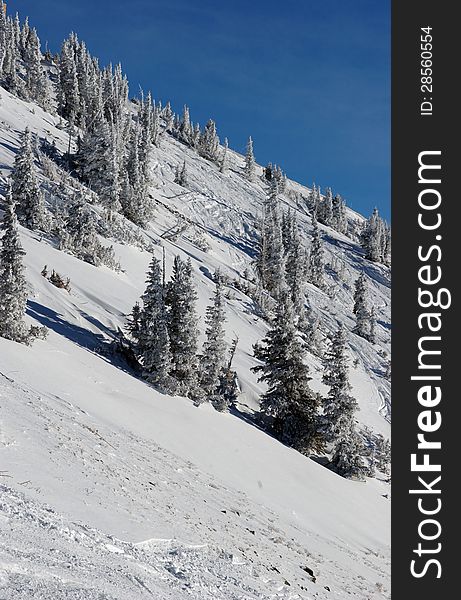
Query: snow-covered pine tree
[(382, 454), (196, 135), (133, 321), (268, 171), (181, 175), (364, 326), (134, 195), (347, 458), (13, 287), (4, 37), (325, 208), (11, 76), (167, 115), (100, 164), (283, 183), (229, 388), (117, 99), (338, 216), (375, 238), (250, 164), (295, 268), (270, 262), (313, 200), (23, 36), (149, 125), (360, 290), (309, 327), (36, 80), (339, 406), (289, 401), (156, 126), (69, 100), (372, 334), (27, 195), (387, 241), (80, 236), (339, 410), (288, 227), (152, 346), (315, 271), (213, 357), (185, 127), (182, 328), (208, 145)]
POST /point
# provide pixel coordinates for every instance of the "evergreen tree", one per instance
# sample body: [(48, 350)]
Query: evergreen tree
[(208, 146), (133, 321), (387, 240), (36, 80), (375, 238), (229, 387), (152, 331), (4, 36), (364, 318), (339, 410), (185, 127), (382, 454), (267, 172), (27, 195), (347, 457), (13, 287), (316, 264), (196, 135), (213, 358), (270, 263), (325, 208), (167, 115), (181, 175), (23, 37), (288, 400), (249, 161), (314, 200), (81, 238), (69, 100), (309, 327), (372, 334), (182, 328), (288, 229), (359, 292), (294, 267), (10, 56), (134, 195), (283, 183), (339, 406), (101, 164), (338, 216)]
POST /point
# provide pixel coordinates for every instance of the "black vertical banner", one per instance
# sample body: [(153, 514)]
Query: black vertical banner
[(426, 253)]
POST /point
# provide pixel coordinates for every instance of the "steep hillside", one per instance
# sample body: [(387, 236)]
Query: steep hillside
[(113, 490)]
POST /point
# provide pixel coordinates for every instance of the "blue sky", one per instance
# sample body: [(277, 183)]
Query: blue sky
[(308, 79)]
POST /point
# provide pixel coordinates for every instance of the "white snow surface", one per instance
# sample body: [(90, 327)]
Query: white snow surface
[(111, 490)]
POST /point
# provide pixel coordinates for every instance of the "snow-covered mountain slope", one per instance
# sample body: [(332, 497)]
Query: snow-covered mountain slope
[(114, 490)]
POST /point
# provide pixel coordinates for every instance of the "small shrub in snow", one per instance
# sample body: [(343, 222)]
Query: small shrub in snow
[(58, 281)]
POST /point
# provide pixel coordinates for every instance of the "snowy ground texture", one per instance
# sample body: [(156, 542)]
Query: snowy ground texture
[(111, 490)]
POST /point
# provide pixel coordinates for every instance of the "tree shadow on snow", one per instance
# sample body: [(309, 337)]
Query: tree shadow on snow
[(79, 335), (108, 349), (9, 147)]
